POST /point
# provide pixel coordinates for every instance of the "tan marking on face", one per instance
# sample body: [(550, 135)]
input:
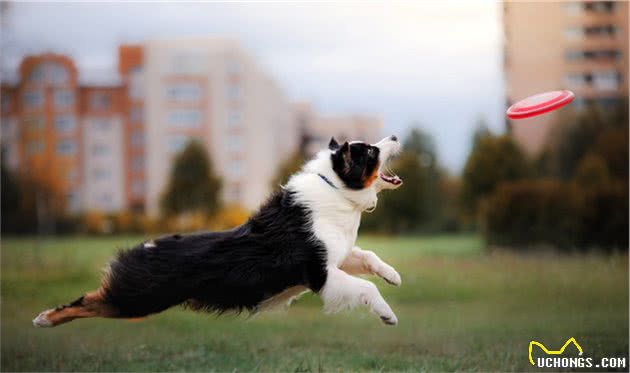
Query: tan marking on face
[(370, 178)]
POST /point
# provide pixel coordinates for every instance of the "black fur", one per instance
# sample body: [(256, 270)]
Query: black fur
[(221, 271), (355, 163)]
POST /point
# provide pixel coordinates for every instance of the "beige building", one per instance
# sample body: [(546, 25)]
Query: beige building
[(212, 91), (320, 128), (581, 46)]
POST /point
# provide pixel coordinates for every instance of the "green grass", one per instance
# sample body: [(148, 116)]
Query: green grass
[(458, 308)]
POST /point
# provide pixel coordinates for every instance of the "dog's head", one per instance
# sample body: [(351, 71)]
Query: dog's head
[(361, 166)]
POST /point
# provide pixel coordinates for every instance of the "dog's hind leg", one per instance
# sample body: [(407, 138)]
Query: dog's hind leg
[(342, 291), (90, 305), (364, 262)]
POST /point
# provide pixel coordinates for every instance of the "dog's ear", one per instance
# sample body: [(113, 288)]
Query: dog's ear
[(333, 144), (344, 151)]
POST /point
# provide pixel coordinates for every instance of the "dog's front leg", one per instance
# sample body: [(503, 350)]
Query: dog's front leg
[(342, 291), (360, 262)]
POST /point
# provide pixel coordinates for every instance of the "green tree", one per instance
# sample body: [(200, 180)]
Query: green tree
[(287, 168), (493, 160), (192, 187)]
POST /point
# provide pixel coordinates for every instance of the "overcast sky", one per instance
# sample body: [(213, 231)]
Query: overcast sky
[(432, 64)]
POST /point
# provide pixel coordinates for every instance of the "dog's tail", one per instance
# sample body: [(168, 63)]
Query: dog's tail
[(91, 304)]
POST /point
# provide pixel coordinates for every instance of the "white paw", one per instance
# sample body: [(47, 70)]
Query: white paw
[(390, 275), (389, 320), (41, 321), (384, 311)]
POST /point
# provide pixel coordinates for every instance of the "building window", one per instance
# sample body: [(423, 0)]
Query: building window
[(595, 54), (184, 118), (100, 149), (101, 124), (34, 99), (63, 98), (188, 62), (599, 6), (235, 168), (574, 33), (37, 74), (234, 118), (137, 138), (6, 103), (34, 147), (234, 143), (73, 200), (100, 100), (101, 174), (66, 147), (34, 123), (233, 92), (184, 92), (606, 80), (65, 123), (233, 66), (57, 73), (106, 200), (137, 163), (137, 188), (135, 115), (177, 143)]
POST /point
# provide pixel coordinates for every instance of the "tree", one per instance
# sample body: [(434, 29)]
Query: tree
[(495, 159), (287, 168), (193, 187), (10, 199)]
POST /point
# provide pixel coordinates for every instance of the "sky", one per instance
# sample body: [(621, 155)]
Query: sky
[(433, 65)]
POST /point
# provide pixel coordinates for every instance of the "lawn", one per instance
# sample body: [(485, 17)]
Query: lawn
[(459, 308)]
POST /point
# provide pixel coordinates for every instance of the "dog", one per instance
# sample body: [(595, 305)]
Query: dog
[(301, 239)]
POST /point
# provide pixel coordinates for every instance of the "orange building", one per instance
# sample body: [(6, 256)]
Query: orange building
[(41, 122)]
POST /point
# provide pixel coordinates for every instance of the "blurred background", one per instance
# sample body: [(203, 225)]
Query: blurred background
[(121, 122)]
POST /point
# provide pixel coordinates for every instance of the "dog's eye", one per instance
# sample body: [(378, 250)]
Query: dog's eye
[(371, 152)]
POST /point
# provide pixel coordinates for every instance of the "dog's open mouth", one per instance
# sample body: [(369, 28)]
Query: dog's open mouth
[(394, 180)]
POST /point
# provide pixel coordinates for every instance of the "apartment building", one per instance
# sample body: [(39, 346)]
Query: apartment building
[(101, 119), (212, 91), (41, 134), (109, 144), (581, 46), (320, 128)]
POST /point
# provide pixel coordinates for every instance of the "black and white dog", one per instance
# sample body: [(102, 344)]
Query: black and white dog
[(302, 238)]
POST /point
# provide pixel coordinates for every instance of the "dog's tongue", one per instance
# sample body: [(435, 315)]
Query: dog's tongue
[(391, 179)]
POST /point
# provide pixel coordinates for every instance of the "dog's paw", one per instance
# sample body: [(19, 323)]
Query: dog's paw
[(389, 319), (390, 275), (42, 321)]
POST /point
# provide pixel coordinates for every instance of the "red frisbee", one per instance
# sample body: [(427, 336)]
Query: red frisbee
[(539, 104)]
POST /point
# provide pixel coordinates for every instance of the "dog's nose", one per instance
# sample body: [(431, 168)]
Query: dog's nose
[(393, 138)]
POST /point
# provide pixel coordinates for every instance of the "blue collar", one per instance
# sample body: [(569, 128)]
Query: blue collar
[(327, 181)]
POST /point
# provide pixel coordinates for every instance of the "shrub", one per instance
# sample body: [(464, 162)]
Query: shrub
[(604, 217), (525, 213), (550, 212)]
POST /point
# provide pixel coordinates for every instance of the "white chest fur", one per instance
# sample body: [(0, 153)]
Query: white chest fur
[(338, 233)]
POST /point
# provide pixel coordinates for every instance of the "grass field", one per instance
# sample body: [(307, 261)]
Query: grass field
[(458, 309)]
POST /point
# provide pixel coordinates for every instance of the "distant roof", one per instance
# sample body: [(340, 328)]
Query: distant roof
[(99, 77)]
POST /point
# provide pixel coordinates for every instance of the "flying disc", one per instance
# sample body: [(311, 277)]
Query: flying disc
[(539, 104)]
